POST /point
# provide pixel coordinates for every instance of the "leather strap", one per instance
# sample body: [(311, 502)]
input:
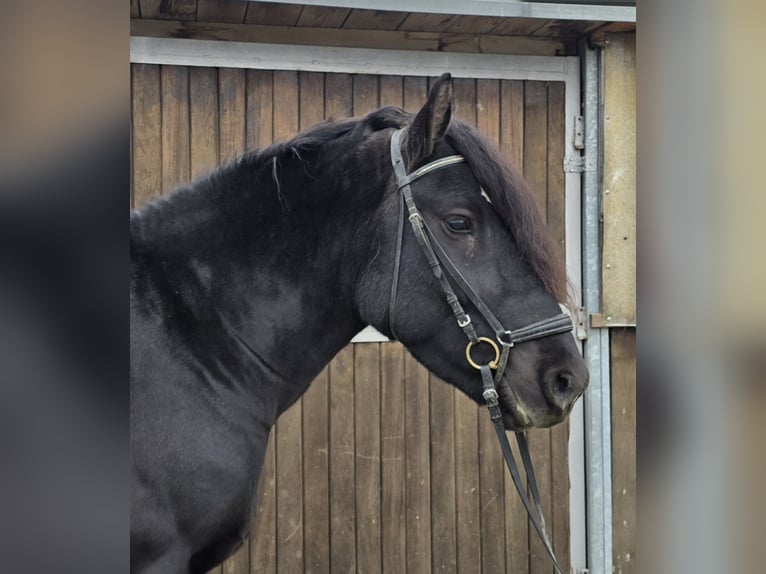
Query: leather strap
[(438, 261)]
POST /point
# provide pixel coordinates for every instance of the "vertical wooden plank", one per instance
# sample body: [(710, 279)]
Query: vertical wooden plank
[(259, 129), (556, 200), (174, 82), (231, 113), (512, 145), (393, 527), (239, 562), (417, 464), (367, 456), (135, 10), (288, 438), (342, 502), (390, 91), (316, 424), (466, 412), (536, 140), (443, 514), (490, 458), (512, 121), (623, 374), (338, 101), (147, 134), (316, 442), (365, 94), (536, 173), (416, 422), (540, 448), (556, 207), (263, 537), (263, 540), (203, 103)]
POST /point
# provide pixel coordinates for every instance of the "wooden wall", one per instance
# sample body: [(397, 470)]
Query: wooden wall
[(380, 466)]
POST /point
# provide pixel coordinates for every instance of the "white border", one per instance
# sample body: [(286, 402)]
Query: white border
[(209, 53)]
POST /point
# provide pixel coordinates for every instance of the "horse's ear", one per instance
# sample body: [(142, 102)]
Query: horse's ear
[(431, 122)]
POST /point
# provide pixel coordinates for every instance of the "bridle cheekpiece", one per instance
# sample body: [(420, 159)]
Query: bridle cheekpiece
[(504, 339)]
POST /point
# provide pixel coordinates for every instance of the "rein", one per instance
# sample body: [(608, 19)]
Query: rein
[(504, 339)]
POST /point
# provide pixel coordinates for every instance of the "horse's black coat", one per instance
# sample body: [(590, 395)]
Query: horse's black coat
[(245, 284)]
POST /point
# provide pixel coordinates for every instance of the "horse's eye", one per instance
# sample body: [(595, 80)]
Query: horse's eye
[(459, 224)]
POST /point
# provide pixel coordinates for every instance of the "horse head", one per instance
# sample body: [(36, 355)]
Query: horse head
[(480, 217)]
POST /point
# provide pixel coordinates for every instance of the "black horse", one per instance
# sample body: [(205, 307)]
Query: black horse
[(245, 284)]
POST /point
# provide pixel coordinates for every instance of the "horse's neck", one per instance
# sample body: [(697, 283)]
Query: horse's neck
[(278, 283)]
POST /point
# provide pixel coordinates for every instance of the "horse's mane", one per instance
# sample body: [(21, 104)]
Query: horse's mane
[(509, 193)]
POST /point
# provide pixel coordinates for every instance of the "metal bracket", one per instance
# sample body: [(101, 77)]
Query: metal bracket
[(581, 323), (579, 133), (580, 163)]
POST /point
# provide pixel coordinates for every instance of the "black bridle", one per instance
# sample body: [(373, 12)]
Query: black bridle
[(439, 262)]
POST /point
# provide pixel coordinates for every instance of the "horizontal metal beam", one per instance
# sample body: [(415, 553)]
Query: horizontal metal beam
[(208, 53), (502, 8)]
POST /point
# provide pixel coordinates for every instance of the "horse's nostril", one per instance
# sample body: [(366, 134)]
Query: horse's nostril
[(561, 388), (562, 384)]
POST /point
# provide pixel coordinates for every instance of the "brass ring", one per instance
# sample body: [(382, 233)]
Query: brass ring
[(491, 364)]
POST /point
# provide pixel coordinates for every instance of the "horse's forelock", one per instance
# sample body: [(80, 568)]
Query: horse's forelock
[(514, 202)]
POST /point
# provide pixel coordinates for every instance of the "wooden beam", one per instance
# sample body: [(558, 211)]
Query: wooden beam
[(377, 39)]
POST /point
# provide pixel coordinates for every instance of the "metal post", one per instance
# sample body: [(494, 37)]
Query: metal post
[(598, 456)]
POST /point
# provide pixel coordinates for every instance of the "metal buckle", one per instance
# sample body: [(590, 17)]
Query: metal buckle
[(490, 397), (464, 321), (416, 217), (504, 343)]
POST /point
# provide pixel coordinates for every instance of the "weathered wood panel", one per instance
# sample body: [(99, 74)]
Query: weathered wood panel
[(380, 466), (147, 135), (367, 456), (374, 19), (618, 306), (623, 378), (176, 153), (275, 14), (322, 17), (203, 104), (349, 37), (342, 501), (393, 501), (221, 11)]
